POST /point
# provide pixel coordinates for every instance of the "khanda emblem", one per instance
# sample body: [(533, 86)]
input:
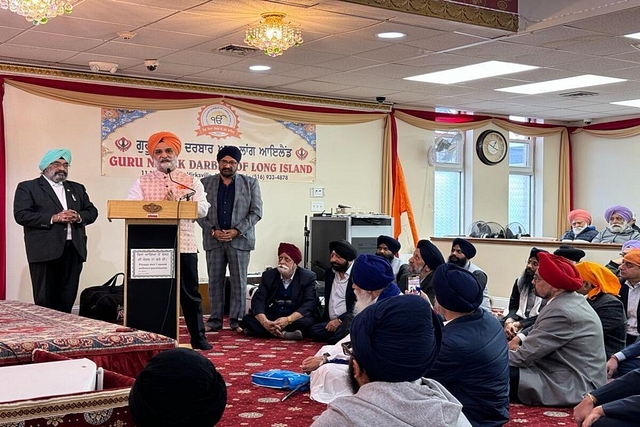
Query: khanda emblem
[(301, 153), (123, 144)]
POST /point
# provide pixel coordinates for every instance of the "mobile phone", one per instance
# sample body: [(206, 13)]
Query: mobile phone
[(413, 284)]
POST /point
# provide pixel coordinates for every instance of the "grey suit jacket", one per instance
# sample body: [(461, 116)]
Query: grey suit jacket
[(35, 203), (247, 211), (563, 356)]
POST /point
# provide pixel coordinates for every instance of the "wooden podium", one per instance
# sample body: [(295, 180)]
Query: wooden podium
[(152, 261)]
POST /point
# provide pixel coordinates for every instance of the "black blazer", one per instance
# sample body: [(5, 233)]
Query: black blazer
[(304, 297), (35, 203), (350, 296)]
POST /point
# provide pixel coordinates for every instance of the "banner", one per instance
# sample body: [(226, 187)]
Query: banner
[(271, 150)]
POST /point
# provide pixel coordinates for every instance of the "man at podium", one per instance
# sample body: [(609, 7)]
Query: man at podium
[(168, 183)]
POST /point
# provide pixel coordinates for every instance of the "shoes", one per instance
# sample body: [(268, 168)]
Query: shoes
[(215, 328), (237, 329), (201, 344), (295, 335)]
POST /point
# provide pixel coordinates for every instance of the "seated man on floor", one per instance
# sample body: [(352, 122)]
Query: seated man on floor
[(601, 287), (524, 304), (569, 252), (388, 248), (616, 404), (563, 356), (618, 229), (630, 292), (285, 305), (424, 261), (581, 228), (178, 387), (461, 253), (372, 282), (393, 345), (339, 297), (473, 362)]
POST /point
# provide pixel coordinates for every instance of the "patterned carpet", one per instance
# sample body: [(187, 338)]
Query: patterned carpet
[(237, 357)]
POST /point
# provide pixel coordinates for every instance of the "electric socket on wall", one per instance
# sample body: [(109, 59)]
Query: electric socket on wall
[(317, 192), (317, 206)]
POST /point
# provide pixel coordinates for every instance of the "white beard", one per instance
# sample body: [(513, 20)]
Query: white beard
[(363, 300), (284, 270), (578, 230), (619, 228)]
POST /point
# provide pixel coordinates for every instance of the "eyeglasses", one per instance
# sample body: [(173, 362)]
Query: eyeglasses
[(346, 349), (228, 162), (60, 165)]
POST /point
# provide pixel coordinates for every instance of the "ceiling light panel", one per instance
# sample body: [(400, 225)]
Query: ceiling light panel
[(586, 80), (472, 72)]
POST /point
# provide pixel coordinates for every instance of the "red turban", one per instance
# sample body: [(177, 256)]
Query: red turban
[(291, 250), (168, 138), (579, 214), (559, 272)]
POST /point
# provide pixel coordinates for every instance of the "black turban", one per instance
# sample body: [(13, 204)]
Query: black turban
[(393, 245), (178, 387), (456, 289), (535, 251), (396, 339), (466, 247), (229, 150), (371, 272), (431, 255), (344, 249), (570, 253)]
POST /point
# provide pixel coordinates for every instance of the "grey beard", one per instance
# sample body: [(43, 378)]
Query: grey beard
[(363, 300)]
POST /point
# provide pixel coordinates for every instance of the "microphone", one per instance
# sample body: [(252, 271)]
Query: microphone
[(186, 196)]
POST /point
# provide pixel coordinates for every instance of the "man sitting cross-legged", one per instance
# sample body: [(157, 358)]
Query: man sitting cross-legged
[(285, 304), (372, 282)]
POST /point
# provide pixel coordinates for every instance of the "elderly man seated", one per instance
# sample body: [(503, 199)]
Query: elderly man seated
[(581, 228), (618, 229), (393, 344), (372, 282), (563, 356), (285, 304)]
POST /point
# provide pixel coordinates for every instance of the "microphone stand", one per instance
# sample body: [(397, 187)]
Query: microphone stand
[(306, 243), (188, 195)]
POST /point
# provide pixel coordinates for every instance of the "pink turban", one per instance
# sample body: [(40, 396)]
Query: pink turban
[(579, 214), (168, 138)]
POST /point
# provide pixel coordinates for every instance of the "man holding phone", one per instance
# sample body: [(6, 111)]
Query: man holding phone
[(424, 261)]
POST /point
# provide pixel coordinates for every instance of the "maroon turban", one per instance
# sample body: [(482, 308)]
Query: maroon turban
[(291, 250), (559, 272)]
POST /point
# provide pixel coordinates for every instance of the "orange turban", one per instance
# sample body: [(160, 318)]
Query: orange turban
[(559, 272), (168, 138), (633, 256), (600, 277), (579, 214)]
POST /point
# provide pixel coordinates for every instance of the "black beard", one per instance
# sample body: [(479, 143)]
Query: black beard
[(388, 258), (341, 268), (528, 273), (353, 384), (459, 262), (227, 172)]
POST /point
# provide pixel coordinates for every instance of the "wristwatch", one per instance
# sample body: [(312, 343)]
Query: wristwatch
[(325, 358)]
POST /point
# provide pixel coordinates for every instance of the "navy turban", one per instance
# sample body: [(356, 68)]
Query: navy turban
[(570, 253), (229, 150), (344, 249), (178, 387), (431, 255), (466, 247), (396, 339), (393, 245), (371, 272), (456, 289), (535, 251)]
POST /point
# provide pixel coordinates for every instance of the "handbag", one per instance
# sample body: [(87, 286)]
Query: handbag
[(104, 302)]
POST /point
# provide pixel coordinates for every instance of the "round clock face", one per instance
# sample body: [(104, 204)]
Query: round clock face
[(491, 147)]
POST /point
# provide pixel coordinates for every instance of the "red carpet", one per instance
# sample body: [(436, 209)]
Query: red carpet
[(237, 357)]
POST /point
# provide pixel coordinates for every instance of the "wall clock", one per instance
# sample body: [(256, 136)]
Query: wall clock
[(491, 147)]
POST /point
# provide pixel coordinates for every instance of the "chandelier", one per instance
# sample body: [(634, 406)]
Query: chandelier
[(37, 11), (272, 35)]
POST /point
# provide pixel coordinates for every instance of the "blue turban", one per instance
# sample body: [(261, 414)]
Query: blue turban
[(431, 255), (178, 387), (53, 155), (466, 247), (623, 211), (371, 272), (457, 289), (392, 244), (397, 339)]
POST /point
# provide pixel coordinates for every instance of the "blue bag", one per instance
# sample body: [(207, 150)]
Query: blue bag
[(278, 378)]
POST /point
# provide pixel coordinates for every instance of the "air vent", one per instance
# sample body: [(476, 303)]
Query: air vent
[(578, 94), (235, 49)]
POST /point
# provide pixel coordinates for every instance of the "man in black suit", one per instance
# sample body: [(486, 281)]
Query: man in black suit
[(339, 296), (285, 304), (54, 213)]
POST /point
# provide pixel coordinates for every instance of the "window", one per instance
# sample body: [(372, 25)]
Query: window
[(520, 182), (447, 155)]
